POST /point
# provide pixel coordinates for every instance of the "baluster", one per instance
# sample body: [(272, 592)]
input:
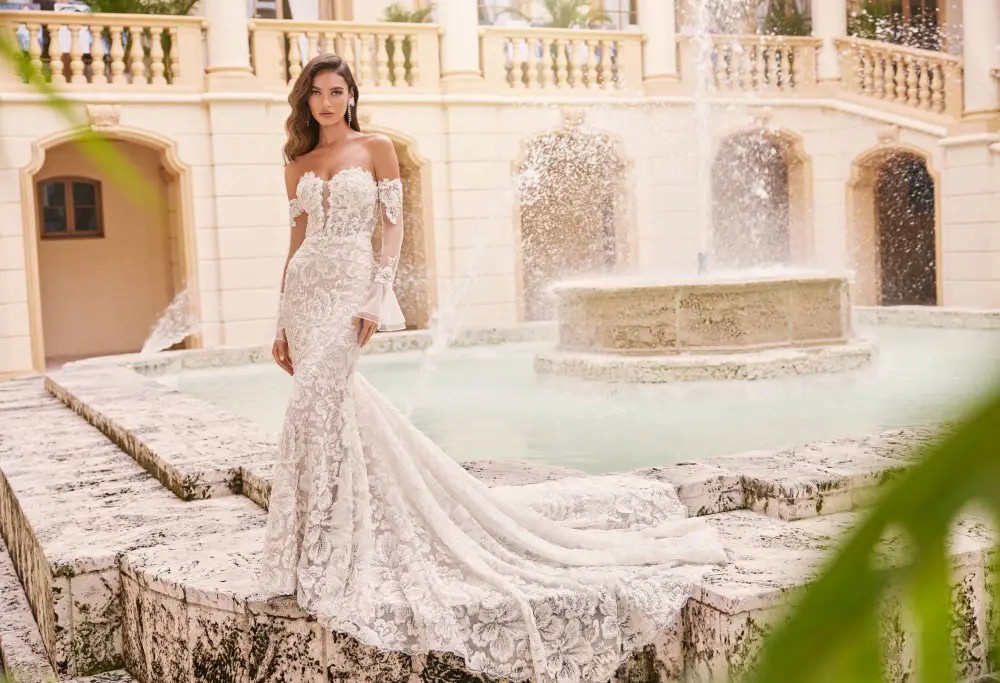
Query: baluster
[(175, 56), (98, 76), (911, 81), (399, 60), (35, 47), (747, 66), (137, 64), (868, 77), (532, 61), (117, 55), (901, 62), (366, 59), (890, 75), (516, 63), (786, 68), (57, 75), (329, 41), (878, 77), (382, 58), (937, 88), (349, 54), (727, 69), (576, 68), (593, 79), (548, 72), (76, 56), (562, 75), (414, 61), (610, 75), (798, 66), (772, 61), (156, 55), (924, 85), (294, 57)]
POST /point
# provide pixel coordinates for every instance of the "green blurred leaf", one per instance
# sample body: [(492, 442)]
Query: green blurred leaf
[(831, 627), (91, 144)]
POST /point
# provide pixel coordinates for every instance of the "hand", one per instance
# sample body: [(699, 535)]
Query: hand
[(366, 328), (279, 351)]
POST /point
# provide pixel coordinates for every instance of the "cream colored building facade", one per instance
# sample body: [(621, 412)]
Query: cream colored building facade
[(203, 209)]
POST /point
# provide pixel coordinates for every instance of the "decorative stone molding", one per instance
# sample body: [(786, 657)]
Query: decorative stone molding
[(888, 135), (104, 116), (573, 117)]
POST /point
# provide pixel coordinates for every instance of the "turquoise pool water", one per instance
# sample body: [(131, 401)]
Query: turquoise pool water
[(487, 402)]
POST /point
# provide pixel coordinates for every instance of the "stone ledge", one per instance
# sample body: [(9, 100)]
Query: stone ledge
[(192, 447), (698, 367), (22, 651), (929, 316)]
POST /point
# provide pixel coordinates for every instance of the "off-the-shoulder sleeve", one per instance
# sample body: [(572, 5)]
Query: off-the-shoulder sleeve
[(381, 305), (294, 210)]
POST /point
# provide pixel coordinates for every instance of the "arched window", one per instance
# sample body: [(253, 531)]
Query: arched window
[(70, 207)]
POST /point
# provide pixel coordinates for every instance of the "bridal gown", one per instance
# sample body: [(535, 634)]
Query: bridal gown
[(384, 537)]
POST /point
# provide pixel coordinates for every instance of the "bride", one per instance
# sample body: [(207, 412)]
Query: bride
[(378, 532)]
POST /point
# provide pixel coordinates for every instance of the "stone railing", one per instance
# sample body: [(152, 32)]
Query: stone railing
[(921, 80), (116, 51), (382, 56), (561, 60), (752, 63)]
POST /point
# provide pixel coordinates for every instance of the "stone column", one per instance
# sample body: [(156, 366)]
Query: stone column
[(829, 22), (657, 19), (459, 45), (981, 52), (228, 41)]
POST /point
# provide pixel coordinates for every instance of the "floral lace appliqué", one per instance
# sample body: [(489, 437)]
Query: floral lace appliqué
[(390, 194)]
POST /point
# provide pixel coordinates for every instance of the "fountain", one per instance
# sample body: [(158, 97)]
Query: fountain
[(761, 319), (175, 324), (735, 326)]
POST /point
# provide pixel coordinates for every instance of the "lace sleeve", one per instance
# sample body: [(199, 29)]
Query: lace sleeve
[(294, 210), (380, 305)]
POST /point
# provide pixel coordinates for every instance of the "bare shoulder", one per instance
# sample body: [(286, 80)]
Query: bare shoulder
[(383, 154), (293, 171), (376, 143)]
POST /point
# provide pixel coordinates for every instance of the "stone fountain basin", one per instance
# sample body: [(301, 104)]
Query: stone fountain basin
[(633, 317)]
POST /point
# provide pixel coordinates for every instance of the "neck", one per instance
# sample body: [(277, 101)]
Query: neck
[(334, 133)]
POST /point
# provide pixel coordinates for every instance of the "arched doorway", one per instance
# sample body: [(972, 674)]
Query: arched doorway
[(414, 285), (571, 187), (760, 203), (904, 209), (106, 257), (894, 214)]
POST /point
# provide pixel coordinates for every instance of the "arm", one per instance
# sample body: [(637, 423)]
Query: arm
[(297, 221), (380, 305)]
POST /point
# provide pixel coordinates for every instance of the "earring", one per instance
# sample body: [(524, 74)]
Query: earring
[(350, 103)]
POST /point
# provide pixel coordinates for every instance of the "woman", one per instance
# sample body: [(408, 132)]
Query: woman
[(376, 530)]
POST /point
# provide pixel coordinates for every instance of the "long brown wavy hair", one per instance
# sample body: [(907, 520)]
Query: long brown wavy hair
[(301, 127)]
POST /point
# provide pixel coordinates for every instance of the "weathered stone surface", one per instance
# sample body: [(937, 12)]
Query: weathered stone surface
[(192, 447), (929, 316), (693, 367), (704, 489), (22, 651)]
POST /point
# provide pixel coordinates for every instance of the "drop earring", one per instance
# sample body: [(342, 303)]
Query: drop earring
[(350, 103)]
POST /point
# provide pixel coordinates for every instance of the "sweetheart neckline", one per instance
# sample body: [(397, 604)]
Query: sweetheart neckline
[(337, 174)]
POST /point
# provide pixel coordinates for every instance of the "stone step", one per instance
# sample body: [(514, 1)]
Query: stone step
[(71, 504), (23, 658), (193, 448)]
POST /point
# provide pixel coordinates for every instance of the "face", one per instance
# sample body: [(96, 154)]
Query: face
[(328, 97)]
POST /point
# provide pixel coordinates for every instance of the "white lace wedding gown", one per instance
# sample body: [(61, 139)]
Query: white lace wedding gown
[(384, 537)]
